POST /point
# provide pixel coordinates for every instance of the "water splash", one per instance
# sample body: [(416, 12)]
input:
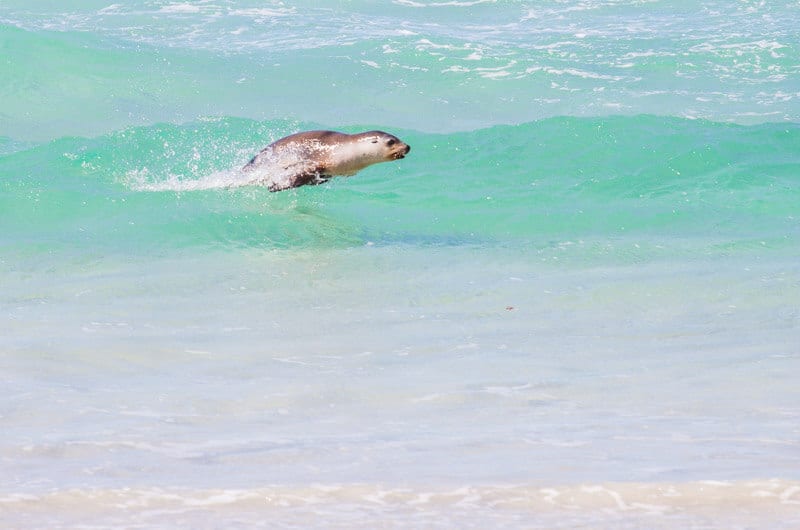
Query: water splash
[(143, 180)]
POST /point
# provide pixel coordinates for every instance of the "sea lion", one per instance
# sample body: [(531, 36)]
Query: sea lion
[(314, 157)]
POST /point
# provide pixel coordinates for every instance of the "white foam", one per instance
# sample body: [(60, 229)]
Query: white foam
[(180, 8), (113, 8), (260, 12), (453, 3), (583, 74)]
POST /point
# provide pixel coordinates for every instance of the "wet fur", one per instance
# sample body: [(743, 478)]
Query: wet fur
[(314, 157)]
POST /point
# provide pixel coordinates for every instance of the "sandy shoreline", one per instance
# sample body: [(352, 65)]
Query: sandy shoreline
[(773, 503)]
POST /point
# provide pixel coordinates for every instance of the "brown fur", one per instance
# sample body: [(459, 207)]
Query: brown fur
[(314, 157)]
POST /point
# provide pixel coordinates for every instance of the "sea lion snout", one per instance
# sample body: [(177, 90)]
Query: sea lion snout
[(403, 151)]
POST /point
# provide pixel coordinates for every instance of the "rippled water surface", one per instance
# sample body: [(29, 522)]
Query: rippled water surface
[(575, 304)]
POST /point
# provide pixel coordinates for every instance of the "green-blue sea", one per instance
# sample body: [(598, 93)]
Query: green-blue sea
[(575, 304)]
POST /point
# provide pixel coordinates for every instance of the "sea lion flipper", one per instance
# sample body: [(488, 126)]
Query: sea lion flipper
[(308, 178), (319, 179), (275, 186), (311, 178)]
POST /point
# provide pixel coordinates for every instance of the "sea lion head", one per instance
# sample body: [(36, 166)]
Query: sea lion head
[(387, 146)]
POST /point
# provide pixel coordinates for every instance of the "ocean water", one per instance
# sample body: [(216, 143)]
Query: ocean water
[(575, 304)]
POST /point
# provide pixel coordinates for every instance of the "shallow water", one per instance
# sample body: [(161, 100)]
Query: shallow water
[(575, 304)]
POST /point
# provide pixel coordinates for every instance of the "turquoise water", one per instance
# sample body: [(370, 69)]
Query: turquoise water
[(676, 188), (575, 304)]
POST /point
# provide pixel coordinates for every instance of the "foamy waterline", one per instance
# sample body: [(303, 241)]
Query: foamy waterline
[(714, 504)]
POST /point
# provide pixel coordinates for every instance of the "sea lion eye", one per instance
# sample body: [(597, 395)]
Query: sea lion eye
[(390, 143)]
